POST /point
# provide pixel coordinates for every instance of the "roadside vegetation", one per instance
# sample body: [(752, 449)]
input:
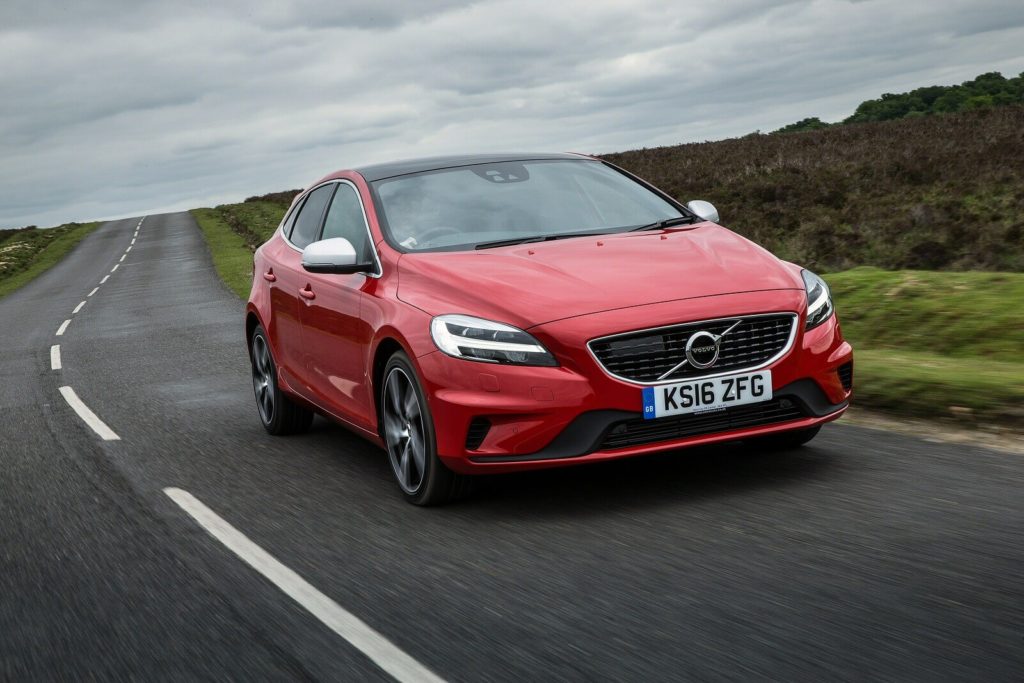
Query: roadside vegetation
[(926, 193), (27, 253), (917, 224), (234, 231), (936, 345)]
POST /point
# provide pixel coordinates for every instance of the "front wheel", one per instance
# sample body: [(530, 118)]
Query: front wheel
[(408, 432)]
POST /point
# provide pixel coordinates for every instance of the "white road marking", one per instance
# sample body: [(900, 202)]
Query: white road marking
[(63, 327), (77, 308), (104, 280), (89, 417), (383, 652), (115, 266), (133, 241), (94, 290), (55, 357), (122, 258), (128, 249)]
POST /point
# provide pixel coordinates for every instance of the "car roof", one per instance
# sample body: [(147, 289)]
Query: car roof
[(404, 167)]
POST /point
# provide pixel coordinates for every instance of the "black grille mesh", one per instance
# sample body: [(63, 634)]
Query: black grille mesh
[(638, 431), (645, 356), (845, 372), (478, 429)]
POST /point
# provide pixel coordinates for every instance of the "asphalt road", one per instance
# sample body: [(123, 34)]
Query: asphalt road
[(866, 555)]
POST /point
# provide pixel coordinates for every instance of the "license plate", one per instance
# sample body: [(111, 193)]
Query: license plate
[(707, 395)]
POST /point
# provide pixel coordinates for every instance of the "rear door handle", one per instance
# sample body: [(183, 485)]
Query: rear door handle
[(269, 276), (307, 293)]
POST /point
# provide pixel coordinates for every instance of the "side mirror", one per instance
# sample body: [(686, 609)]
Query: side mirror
[(334, 255), (705, 210)]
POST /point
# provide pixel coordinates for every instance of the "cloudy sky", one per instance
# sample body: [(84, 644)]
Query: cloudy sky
[(123, 108)]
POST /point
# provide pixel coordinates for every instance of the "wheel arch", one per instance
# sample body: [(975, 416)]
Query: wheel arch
[(251, 322)]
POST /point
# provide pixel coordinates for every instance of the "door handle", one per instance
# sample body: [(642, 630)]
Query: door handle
[(269, 276), (307, 293)]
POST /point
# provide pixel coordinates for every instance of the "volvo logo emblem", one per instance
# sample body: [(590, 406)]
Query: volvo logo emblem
[(702, 349)]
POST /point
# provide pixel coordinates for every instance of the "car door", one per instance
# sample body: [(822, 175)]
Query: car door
[(335, 336), (290, 287)]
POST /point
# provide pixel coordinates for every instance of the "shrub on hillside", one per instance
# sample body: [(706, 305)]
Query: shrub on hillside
[(284, 198), (937, 192)]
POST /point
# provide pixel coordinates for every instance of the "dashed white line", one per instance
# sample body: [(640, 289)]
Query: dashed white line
[(55, 357), (128, 249), (63, 327), (122, 258), (116, 265), (77, 308), (383, 652), (94, 290), (96, 424), (104, 280), (133, 241)]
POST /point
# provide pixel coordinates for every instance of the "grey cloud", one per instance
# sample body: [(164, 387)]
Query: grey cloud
[(134, 106)]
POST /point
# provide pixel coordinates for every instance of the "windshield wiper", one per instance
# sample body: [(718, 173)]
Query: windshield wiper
[(534, 238), (666, 223)]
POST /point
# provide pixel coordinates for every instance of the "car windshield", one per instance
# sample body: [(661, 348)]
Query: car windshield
[(469, 206)]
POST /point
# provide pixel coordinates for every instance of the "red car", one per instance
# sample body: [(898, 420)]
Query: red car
[(491, 313)]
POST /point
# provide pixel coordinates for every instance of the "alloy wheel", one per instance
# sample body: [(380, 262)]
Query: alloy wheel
[(403, 430), (263, 378)]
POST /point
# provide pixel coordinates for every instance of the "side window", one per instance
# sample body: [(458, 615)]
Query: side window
[(307, 223), (345, 219)]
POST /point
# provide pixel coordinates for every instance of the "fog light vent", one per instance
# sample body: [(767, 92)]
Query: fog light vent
[(845, 373), (478, 429)]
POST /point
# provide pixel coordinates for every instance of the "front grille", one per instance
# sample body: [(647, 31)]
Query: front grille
[(845, 373), (478, 429), (638, 431), (647, 355)]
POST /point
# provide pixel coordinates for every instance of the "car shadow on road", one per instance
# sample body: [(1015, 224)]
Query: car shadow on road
[(649, 481), (692, 474)]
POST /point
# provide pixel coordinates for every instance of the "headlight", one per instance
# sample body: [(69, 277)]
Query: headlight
[(819, 300), (477, 339)]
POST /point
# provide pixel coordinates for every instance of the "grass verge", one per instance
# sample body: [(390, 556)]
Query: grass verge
[(231, 252), (968, 391), (27, 254)]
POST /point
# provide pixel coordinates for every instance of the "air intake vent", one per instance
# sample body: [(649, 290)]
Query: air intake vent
[(478, 429), (637, 432), (845, 373)]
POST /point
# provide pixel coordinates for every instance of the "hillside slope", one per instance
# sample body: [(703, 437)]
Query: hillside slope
[(937, 192)]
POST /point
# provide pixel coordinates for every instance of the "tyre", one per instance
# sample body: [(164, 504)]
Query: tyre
[(408, 433), (786, 440), (279, 414)]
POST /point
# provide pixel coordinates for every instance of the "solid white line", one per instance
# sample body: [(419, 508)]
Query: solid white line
[(122, 257), (105, 278), (94, 290), (63, 327), (115, 266), (77, 308), (383, 652), (89, 417), (55, 357)]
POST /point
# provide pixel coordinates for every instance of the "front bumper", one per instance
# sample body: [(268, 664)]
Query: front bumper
[(537, 417)]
